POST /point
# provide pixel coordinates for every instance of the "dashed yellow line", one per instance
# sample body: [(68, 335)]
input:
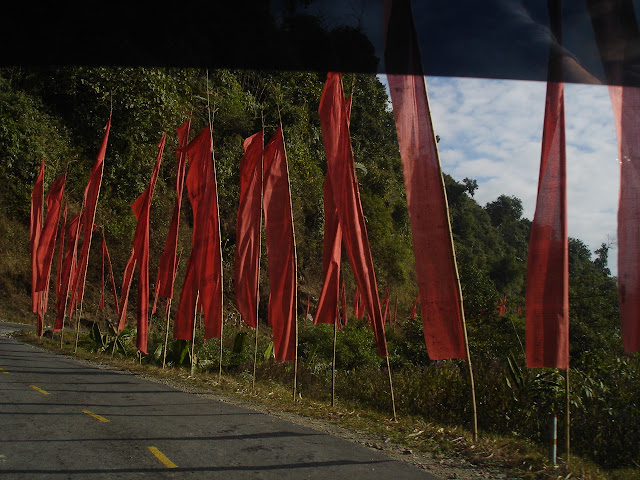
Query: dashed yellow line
[(44, 392), (160, 456), (2, 370), (95, 415)]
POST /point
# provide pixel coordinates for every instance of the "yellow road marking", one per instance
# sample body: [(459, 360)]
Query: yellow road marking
[(44, 392), (3, 370), (160, 456), (95, 415)]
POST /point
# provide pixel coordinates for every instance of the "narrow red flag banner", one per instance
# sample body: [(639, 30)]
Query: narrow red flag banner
[(204, 269), (436, 269), (63, 225), (140, 255), (47, 244), (626, 109), (358, 305), (547, 290), (341, 170), (167, 262), (248, 230), (331, 260), (69, 264), (281, 249), (91, 194), (37, 199)]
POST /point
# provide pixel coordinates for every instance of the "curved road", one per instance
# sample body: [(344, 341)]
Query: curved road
[(61, 419)]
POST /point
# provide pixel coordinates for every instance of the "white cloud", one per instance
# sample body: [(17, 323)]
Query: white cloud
[(491, 130)]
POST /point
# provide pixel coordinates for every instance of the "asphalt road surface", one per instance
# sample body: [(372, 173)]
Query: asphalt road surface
[(62, 419)]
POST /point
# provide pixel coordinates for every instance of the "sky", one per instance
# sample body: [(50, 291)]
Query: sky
[(491, 131)]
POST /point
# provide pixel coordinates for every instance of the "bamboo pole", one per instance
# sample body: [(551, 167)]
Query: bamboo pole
[(193, 335), (393, 397), (457, 274), (333, 362), (567, 422), (255, 359), (166, 334), (295, 275), (213, 160)]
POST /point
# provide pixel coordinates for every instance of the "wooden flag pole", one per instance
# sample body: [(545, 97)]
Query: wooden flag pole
[(464, 323), (255, 358), (393, 397), (79, 314), (333, 362), (166, 334), (567, 423), (209, 112), (295, 256), (193, 335)]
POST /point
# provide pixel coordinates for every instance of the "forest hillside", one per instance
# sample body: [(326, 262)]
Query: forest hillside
[(59, 113)]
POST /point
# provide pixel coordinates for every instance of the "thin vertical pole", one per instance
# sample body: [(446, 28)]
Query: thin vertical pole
[(474, 408), (393, 397), (218, 216), (333, 362), (79, 314), (255, 358), (193, 334), (166, 334), (567, 426)]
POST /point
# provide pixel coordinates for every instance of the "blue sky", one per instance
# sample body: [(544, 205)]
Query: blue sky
[(491, 131)]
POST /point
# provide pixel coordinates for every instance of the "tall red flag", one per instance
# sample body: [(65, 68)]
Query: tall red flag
[(248, 228), (69, 265), (626, 108), (412, 315), (281, 249), (63, 225), (47, 243), (167, 263), (436, 270), (37, 197), (204, 269), (91, 193), (341, 170), (331, 259), (547, 293), (141, 208), (326, 311)]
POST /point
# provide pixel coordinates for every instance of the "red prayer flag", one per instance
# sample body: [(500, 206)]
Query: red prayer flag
[(626, 108), (47, 243), (167, 263), (281, 249), (61, 252), (436, 270), (547, 292), (72, 231), (37, 197), (91, 193), (358, 305), (331, 258), (248, 228), (141, 208), (204, 269), (341, 170)]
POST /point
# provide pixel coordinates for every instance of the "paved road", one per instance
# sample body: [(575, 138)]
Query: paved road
[(63, 419)]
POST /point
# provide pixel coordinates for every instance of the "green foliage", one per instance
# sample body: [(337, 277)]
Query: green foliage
[(58, 114)]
